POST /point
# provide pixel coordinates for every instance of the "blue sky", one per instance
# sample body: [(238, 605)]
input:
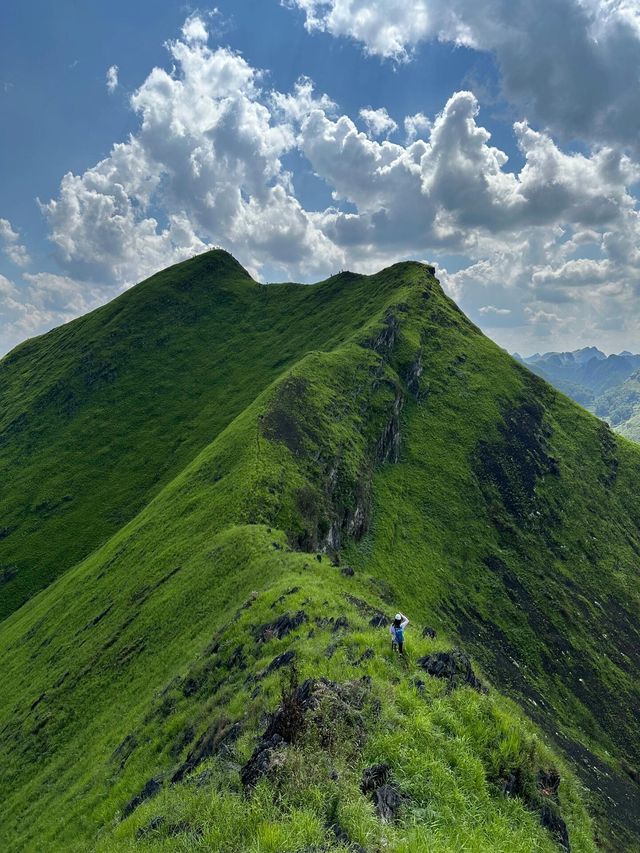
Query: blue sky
[(533, 229), (58, 116)]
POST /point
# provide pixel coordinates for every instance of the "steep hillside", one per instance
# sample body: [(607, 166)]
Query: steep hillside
[(406, 463), (98, 415)]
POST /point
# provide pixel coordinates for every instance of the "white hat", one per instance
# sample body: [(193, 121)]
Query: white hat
[(399, 617)]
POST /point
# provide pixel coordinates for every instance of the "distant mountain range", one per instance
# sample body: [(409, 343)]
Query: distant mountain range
[(606, 385)]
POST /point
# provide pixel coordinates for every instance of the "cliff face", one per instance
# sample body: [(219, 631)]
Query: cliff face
[(218, 672)]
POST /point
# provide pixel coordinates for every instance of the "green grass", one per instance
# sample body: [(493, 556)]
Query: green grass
[(98, 415), (443, 749), (520, 541), (446, 750)]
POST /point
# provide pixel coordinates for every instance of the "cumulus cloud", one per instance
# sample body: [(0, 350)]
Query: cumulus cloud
[(112, 78), (378, 122), (294, 106), (543, 316), (208, 154), (11, 245), (61, 295), (194, 29), (452, 190), (40, 301), (576, 273), (7, 288), (567, 62), (537, 247), (578, 301), (416, 126), (389, 28)]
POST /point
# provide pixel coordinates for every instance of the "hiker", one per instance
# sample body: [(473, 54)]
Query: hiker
[(397, 632)]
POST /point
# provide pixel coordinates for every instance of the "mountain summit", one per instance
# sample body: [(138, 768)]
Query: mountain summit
[(221, 492)]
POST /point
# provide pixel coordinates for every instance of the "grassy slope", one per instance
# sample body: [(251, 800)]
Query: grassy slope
[(86, 661), (542, 586), (98, 415)]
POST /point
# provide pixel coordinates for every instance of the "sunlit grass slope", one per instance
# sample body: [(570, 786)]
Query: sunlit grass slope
[(457, 488), (98, 415)]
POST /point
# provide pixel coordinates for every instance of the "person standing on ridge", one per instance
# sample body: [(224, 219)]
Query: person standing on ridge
[(397, 632)]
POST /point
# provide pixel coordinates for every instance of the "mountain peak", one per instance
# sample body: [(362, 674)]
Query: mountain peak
[(216, 261), (587, 353)]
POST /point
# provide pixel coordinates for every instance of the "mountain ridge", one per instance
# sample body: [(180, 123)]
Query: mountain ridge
[(165, 332), (407, 463)]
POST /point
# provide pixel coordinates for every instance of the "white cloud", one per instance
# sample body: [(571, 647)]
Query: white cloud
[(61, 295), (452, 190), (205, 166), (100, 234), (11, 245), (112, 78), (567, 62), (40, 302), (389, 28), (521, 232), (416, 126), (578, 301), (378, 122), (541, 318), (194, 29), (208, 155), (491, 309), (576, 273), (7, 288), (293, 107)]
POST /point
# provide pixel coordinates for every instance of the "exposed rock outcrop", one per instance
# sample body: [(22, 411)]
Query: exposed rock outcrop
[(151, 788), (387, 800), (454, 666), (211, 742), (316, 702), (280, 627), (540, 794)]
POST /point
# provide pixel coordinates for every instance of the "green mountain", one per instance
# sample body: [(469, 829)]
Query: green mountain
[(257, 478), (586, 375), (621, 407), (97, 416)]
